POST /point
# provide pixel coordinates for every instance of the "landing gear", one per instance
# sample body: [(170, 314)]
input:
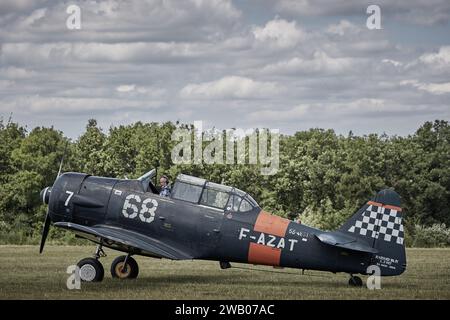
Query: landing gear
[(91, 270), (224, 265), (355, 281), (124, 267)]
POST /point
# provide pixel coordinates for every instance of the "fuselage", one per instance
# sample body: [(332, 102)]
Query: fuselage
[(254, 237)]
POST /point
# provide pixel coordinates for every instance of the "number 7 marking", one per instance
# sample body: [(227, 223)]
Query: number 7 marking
[(70, 193)]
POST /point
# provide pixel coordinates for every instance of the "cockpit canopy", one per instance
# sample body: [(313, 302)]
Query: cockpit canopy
[(203, 192)]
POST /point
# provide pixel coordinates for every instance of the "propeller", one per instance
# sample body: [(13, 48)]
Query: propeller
[(45, 196), (45, 231)]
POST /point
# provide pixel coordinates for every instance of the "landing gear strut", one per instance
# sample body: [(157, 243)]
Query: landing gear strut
[(355, 281), (99, 253), (91, 270)]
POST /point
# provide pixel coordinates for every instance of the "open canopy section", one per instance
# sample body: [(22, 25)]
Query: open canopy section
[(146, 180)]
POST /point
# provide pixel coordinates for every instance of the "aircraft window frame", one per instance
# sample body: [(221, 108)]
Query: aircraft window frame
[(231, 206), (251, 200), (191, 180), (240, 193), (245, 200), (206, 190), (220, 187), (176, 188)]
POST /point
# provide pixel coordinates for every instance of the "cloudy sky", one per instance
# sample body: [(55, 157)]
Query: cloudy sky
[(286, 64)]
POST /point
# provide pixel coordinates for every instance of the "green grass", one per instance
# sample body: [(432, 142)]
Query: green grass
[(24, 274)]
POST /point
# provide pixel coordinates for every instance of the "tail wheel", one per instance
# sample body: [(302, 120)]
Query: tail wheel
[(91, 270), (118, 269), (355, 281)]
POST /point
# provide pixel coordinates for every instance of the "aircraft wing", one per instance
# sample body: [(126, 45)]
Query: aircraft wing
[(338, 239), (125, 240)]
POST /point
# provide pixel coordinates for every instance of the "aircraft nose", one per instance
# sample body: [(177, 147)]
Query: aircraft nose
[(45, 195)]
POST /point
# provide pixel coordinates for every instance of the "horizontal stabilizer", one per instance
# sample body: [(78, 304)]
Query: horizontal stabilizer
[(338, 239)]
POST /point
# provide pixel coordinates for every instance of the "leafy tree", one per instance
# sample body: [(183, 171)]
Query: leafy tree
[(323, 177), (89, 150)]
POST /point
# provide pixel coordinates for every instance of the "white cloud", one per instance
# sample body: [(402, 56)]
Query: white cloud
[(120, 21), (433, 88), (344, 27), (126, 88), (418, 12), (319, 63), (34, 17), (318, 7), (132, 90), (295, 113), (436, 88), (350, 39), (231, 87), (137, 52), (392, 62), (43, 106), (363, 105), (440, 59), (313, 112), (280, 33)]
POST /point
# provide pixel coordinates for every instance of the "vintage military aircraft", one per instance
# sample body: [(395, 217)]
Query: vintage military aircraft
[(205, 220)]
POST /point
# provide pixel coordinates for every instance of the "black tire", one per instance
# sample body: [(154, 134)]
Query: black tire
[(117, 267), (91, 270), (355, 282)]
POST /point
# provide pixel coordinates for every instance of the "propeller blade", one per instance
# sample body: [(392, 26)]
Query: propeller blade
[(62, 161), (46, 199), (45, 232)]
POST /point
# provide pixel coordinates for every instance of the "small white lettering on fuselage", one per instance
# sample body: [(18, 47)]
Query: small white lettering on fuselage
[(268, 240)]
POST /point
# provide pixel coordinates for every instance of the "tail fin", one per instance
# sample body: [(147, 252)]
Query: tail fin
[(379, 223)]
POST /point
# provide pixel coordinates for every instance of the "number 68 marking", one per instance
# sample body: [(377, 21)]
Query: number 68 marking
[(144, 208)]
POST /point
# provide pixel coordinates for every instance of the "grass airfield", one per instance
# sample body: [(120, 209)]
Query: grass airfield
[(24, 274)]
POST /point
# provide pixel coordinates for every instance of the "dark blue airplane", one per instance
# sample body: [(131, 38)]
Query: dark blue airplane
[(205, 220)]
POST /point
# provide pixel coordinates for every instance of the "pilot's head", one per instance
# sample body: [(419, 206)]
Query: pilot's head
[(163, 181)]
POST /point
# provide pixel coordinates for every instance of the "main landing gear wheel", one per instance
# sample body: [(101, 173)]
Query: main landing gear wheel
[(91, 270), (124, 267), (355, 281)]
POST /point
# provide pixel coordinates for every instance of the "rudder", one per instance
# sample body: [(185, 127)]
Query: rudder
[(379, 223)]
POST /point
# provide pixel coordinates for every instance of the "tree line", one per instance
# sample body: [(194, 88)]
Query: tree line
[(323, 177)]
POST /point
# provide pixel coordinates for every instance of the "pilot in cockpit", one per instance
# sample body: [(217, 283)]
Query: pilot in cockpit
[(165, 187)]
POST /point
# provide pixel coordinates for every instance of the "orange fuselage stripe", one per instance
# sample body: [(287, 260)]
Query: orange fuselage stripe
[(271, 224), (373, 203), (261, 254)]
